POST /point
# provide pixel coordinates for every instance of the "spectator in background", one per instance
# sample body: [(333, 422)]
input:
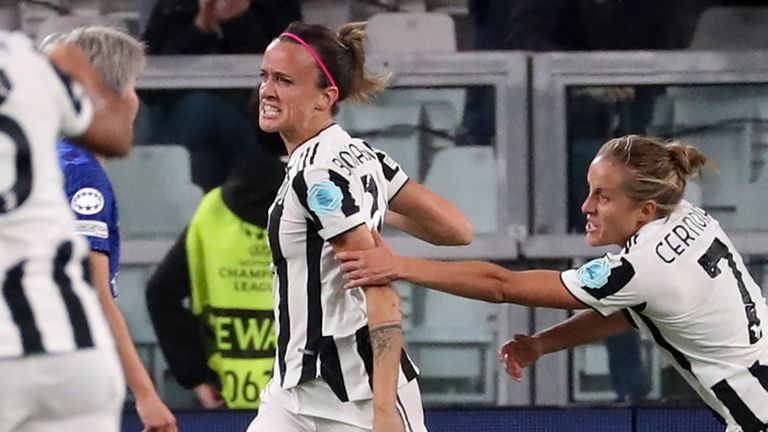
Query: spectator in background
[(213, 127), (217, 26), (119, 59), (221, 263)]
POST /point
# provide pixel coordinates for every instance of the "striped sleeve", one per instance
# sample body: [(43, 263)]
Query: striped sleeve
[(607, 284), (332, 200), (393, 174)]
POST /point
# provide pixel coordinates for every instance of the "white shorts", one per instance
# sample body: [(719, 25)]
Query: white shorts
[(314, 407), (69, 392)]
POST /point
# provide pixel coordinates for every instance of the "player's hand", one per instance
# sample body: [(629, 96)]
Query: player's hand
[(155, 416), (213, 12), (521, 352), (388, 420), (209, 396), (69, 58), (228, 9), (376, 266)]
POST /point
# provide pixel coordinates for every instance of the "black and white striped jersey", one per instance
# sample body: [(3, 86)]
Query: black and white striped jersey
[(685, 286), (45, 304), (333, 184)]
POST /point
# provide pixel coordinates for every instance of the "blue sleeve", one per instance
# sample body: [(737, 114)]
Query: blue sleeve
[(92, 201)]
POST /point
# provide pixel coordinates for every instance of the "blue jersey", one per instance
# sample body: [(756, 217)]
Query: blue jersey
[(93, 202)]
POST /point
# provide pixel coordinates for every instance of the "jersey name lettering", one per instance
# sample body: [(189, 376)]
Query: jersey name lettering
[(682, 235), (349, 160)]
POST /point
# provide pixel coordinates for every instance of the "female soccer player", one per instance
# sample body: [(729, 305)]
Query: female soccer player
[(340, 365), (678, 279)]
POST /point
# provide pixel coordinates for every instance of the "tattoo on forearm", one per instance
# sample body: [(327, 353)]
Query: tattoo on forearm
[(382, 337)]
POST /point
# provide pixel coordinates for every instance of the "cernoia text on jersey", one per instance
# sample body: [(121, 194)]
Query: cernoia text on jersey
[(682, 235)]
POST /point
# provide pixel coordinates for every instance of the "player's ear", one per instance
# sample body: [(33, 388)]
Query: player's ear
[(327, 99), (648, 211)]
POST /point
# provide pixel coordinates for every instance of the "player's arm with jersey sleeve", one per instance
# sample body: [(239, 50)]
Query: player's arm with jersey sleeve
[(584, 327), (101, 121), (94, 206), (416, 210), (607, 284), (333, 199)]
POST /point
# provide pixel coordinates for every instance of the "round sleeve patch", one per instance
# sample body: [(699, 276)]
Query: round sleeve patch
[(595, 273), (87, 201), (324, 198)]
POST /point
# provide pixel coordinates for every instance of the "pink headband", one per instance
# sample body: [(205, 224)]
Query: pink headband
[(313, 53)]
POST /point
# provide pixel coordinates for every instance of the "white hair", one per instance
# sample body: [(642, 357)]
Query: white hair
[(116, 56)]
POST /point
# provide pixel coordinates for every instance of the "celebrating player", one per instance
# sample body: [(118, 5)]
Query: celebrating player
[(340, 363), (58, 367), (678, 279)]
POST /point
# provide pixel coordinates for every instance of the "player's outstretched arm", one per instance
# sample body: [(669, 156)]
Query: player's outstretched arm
[(472, 279), (583, 328), (386, 332), (424, 214), (111, 130), (155, 416)]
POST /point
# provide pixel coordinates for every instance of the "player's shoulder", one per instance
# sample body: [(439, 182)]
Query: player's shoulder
[(337, 150), (73, 157), (19, 56), (662, 241), (15, 43), (81, 169)]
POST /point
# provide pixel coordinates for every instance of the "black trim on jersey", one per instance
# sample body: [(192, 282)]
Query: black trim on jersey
[(761, 373), (402, 186), (365, 351), (314, 253), (300, 188), (406, 420), (738, 409), (67, 81), (303, 160), (314, 153), (659, 338), (21, 311), (389, 172), (330, 368), (618, 279), (77, 318), (405, 363), (348, 205), (284, 335)]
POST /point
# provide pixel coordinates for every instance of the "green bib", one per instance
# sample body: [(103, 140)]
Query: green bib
[(229, 264)]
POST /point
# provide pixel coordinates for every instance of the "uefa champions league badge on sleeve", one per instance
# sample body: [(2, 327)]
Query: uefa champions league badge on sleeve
[(87, 201), (594, 274), (324, 198)]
